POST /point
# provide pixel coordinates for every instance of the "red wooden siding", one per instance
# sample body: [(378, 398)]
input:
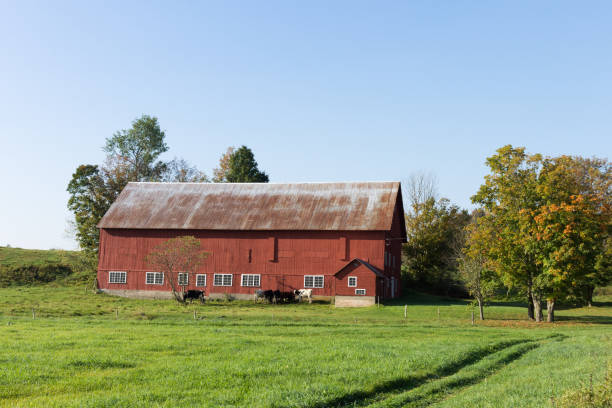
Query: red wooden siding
[(282, 259)]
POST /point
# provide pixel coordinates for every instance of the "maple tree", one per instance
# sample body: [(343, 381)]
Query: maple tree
[(174, 256), (547, 224)]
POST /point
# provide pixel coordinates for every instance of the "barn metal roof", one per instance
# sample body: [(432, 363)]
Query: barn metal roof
[(359, 206)]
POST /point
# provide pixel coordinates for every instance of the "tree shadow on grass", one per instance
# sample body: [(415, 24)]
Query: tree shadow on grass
[(402, 384), (585, 319), (420, 299)]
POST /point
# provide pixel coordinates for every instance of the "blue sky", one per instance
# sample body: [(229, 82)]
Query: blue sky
[(321, 91)]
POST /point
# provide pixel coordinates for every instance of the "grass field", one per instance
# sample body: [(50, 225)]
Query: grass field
[(91, 350)]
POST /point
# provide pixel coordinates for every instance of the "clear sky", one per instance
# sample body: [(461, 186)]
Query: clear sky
[(321, 91)]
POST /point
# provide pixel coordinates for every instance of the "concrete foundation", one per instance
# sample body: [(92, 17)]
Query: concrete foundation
[(161, 294), (139, 294), (355, 301)]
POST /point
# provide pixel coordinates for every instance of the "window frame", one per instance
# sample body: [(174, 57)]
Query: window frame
[(120, 273), (155, 275), (314, 281), (199, 275), (247, 276), (349, 282), (179, 275), (223, 275), (360, 294)]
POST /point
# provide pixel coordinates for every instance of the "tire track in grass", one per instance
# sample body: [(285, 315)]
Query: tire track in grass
[(405, 384), (437, 390)]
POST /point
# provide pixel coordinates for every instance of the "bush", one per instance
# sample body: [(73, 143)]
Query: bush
[(599, 396), (20, 267), (32, 274)]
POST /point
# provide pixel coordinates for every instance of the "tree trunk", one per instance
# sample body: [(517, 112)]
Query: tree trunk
[(481, 309), (589, 295), (530, 309), (550, 308), (537, 307)]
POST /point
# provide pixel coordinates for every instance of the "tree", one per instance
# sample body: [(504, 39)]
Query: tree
[(243, 168), (174, 256), (478, 279), (139, 147), (89, 200), (179, 170), (430, 259), (507, 193), (547, 222), (220, 173), (419, 189), (572, 225), (132, 155)]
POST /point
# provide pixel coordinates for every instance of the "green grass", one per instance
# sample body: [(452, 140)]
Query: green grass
[(78, 352)]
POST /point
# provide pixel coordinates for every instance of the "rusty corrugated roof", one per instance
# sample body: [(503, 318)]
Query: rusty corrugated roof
[(362, 206)]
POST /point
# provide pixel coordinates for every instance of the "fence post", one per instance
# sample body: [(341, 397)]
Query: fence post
[(405, 311), (33, 313), (472, 316), (378, 302), (195, 316), (438, 312)]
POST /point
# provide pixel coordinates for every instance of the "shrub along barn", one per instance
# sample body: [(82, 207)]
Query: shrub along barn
[(342, 240)]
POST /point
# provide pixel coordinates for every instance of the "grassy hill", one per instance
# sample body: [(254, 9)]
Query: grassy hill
[(20, 267)]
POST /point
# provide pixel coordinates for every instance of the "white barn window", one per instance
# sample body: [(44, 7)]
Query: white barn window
[(117, 277), (313, 281), (222, 279), (250, 280), (201, 280), (183, 279), (360, 291), (154, 278), (352, 281)]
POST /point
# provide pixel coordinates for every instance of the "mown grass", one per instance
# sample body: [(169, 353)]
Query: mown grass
[(78, 351)]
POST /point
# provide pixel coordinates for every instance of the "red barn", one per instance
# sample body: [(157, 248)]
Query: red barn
[(343, 240)]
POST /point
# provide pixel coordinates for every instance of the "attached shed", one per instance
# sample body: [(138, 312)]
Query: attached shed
[(358, 282), (258, 236)]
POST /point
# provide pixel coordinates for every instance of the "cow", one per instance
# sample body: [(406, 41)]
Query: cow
[(259, 294), (269, 295), (301, 293), (193, 294), (287, 297), (274, 296)]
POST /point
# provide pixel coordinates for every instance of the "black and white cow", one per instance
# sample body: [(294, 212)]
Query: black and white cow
[(304, 293)]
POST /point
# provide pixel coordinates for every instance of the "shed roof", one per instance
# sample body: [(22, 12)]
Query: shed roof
[(359, 206), (356, 262)]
